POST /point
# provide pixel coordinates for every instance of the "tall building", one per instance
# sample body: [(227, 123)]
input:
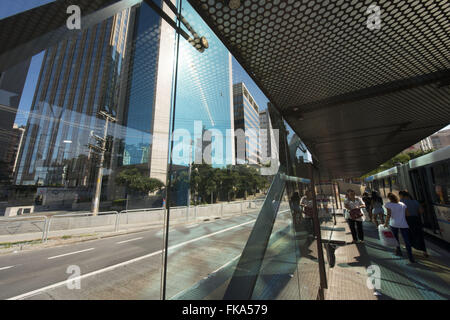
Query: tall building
[(267, 138), (440, 139), (78, 78), (246, 124), (12, 83), (121, 66)]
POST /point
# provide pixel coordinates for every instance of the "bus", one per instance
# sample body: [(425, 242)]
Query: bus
[(427, 179)]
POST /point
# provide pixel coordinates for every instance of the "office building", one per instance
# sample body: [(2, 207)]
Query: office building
[(115, 66), (440, 139), (246, 124)]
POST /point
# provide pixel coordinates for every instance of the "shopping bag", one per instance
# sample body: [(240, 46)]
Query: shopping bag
[(387, 237), (346, 214)]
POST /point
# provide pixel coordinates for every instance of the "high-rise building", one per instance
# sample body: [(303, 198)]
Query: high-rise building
[(246, 124), (267, 138), (12, 83), (440, 139), (78, 78), (121, 66)]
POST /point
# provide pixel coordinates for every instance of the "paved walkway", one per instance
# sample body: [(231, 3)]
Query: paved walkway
[(428, 279)]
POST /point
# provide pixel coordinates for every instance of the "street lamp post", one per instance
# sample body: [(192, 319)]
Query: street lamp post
[(102, 149)]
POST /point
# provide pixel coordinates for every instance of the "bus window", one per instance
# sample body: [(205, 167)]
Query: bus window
[(395, 185), (441, 183)]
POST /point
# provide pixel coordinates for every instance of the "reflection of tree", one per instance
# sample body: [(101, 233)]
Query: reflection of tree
[(208, 183), (134, 180), (399, 158)]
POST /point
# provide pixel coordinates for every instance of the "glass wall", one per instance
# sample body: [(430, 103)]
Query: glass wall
[(143, 163)]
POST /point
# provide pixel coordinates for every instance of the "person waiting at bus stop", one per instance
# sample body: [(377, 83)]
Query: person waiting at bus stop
[(414, 222), (396, 219), (377, 208), (367, 201), (354, 204), (307, 204), (296, 210)]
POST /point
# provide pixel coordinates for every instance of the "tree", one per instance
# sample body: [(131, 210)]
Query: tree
[(133, 180), (399, 158)]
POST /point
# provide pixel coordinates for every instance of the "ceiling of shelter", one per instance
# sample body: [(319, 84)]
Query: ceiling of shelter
[(355, 95)]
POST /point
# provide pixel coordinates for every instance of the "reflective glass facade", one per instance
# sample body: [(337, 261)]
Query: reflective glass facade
[(145, 139)]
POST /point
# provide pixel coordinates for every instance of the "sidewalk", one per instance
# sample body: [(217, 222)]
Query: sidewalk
[(428, 279)]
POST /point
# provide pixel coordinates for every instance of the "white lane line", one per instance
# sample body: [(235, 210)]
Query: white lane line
[(5, 268), (37, 291), (70, 253), (226, 264), (191, 226), (129, 240), (209, 275)]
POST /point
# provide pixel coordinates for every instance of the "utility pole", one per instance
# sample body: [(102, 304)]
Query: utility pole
[(101, 149)]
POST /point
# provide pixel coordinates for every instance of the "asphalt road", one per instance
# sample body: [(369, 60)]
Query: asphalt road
[(24, 274)]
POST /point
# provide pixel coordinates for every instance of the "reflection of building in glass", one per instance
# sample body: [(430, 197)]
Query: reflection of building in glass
[(441, 139), (267, 138), (12, 83), (205, 95), (78, 78), (146, 107), (246, 118), (113, 66)]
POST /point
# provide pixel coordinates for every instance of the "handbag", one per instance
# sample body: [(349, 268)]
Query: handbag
[(355, 214), (308, 211)]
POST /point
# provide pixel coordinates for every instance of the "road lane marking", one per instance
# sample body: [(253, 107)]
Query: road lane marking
[(191, 226), (226, 264), (129, 240), (121, 264), (70, 253), (5, 268)]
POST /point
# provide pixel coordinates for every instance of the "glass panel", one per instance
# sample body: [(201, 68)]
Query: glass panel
[(221, 172), (84, 128)]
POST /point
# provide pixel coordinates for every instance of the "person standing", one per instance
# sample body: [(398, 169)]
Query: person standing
[(354, 204), (296, 211), (396, 219), (367, 201), (414, 221), (377, 208), (307, 204)]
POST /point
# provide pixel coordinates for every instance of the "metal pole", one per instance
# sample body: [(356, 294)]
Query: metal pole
[(323, 277), (98, 186), (339, 194), (335, 194)]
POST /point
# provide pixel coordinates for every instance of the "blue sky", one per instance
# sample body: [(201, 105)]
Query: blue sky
[(12, 7), (9, 8)]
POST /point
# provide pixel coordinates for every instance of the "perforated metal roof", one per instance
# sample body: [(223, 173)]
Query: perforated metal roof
[(354, 94)]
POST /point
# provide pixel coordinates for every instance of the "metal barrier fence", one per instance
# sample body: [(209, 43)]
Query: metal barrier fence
[(20, 225), (74, 223)]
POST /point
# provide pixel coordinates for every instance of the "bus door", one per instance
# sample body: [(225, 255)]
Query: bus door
[(421, 189)]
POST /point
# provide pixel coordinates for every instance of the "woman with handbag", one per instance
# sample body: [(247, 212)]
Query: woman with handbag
[(354, 204)]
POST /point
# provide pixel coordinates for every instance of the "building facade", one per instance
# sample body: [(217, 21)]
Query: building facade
[(121, 66), (440, 139), (247, 125)]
